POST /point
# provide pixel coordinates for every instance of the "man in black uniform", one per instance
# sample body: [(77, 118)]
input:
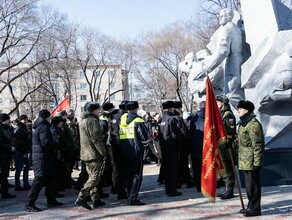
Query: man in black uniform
[(168, 139), (184, 148), (230, 126), (117, 161)]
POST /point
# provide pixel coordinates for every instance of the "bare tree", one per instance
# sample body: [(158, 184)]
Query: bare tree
[(159, 54)]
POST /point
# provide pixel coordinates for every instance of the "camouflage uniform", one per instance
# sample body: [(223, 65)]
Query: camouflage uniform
[(250, 159)]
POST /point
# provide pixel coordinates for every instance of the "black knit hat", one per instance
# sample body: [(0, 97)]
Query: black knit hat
[(131, 105), (92, 106), (249, 106), (44, 113), (123, 105), (22, 117), (177, 104), (167, 104), (4, 117), (107, 106), (222, 98), (56, 120)]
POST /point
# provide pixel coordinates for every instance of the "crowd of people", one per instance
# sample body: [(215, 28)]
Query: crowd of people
[(114, 144)]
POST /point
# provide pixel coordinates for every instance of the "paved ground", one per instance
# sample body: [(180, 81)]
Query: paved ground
[(276, 204)]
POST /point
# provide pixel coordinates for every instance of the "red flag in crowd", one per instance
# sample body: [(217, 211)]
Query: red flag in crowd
[(64, 105), (214, 135)]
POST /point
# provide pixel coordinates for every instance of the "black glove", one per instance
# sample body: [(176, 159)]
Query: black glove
[(256, 168)]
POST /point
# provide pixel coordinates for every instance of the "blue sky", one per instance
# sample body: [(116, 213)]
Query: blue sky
[(126, 18)]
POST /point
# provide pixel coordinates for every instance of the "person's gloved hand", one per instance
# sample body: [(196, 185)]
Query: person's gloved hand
[(256, 168)]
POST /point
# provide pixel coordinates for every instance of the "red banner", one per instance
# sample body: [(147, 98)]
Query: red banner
[(64, 105), (214, 135)]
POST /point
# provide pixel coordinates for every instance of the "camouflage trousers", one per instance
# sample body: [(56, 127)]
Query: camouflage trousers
[(94, 170), (228, 177)]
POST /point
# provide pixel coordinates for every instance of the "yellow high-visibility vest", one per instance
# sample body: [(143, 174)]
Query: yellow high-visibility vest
[(103, 118), (128, 132)]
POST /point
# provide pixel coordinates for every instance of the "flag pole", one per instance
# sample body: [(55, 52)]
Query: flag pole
[(235, 174)]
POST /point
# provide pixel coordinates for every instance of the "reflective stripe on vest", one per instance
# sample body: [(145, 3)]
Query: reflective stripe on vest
[(128, 132), (103, 118)]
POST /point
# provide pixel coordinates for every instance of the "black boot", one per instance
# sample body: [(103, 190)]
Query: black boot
[(228, 194)]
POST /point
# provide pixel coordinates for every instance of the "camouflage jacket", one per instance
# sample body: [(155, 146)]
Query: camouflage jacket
[(92, 147), (251, 143), (229, 122)]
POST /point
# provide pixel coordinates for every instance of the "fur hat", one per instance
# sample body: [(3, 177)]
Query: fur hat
[(92, 106), (4, 117), (222, 98), (107, 106), (123, 105), (249, 106), (132, 105), (177, 104), (44, 113), (167, 104)]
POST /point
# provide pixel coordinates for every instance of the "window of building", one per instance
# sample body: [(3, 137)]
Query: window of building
[(0, 100), (113, 97), (96, 73), (110, 73), (83, 97), (82, 109), (11, 101), (81, 74), (83, 85), (112, 85)]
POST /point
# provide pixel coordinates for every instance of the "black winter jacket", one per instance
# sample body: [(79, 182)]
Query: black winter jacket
[(43, 149)]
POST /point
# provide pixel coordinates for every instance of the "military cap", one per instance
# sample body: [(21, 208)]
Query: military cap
[(177, 104), (92, 106), (222, 98), (131, 105), (107, 106), (167, 104), (248, 105)]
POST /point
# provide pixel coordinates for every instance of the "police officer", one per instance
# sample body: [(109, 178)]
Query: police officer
[(230, 126), (168, 139), (117, 161), (184, 147), (133, 139), (104, 119)]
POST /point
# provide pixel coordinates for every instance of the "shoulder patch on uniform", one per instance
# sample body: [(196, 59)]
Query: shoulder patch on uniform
[(114, 121), (162, 123)]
